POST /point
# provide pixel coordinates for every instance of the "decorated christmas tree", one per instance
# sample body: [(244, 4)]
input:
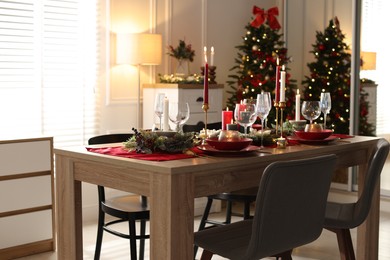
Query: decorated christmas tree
[(330, 72), (255, 69)]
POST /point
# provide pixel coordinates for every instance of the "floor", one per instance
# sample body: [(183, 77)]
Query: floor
[(324, 248)]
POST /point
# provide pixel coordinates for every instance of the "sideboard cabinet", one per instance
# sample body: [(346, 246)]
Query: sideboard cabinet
[(26, 197), (191, 93)]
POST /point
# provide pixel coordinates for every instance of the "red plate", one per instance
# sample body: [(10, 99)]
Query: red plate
[(313, 135), (315, 142), (235, 145)]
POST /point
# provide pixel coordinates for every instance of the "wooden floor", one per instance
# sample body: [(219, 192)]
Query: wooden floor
[(325, 248)]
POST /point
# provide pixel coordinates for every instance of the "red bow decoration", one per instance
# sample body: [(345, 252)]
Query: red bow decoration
[(262, 15)]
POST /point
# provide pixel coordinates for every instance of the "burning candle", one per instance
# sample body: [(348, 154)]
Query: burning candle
[(212, 56), (282, 85), (166, 114), (227, 118), (277, 81), (206, 79), (297, 106)]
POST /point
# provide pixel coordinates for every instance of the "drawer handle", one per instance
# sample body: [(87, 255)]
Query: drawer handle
[(200, 99)]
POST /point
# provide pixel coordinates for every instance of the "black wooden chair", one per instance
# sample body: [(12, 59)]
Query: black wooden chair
[(128, 208), (341, 217), (229, 197), (289, 212)]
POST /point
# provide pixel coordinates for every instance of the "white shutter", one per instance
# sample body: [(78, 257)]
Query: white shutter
[(48, 71)]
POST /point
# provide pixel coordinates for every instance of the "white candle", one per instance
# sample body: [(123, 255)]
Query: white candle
[(297, 106), (166, 114), (205, 54), (282, 85), (212, 56)]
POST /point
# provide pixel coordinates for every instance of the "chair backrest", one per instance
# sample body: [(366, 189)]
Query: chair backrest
[(290, 205), (110, 138), (199, 126), (374, 170)]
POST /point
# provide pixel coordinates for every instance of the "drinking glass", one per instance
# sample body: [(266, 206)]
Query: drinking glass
[(263, 106), (311, 110), (179, 113), (245, 115), (159, 106), (326, 105)]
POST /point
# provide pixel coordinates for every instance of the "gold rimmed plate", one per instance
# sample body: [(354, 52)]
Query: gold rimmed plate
[(211, 150)]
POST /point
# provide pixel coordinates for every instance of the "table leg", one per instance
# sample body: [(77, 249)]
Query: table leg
[(368, 233), (68, 207), (172, 216)]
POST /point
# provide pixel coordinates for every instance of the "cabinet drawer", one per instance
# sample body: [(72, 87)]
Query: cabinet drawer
[(25, 228), (194, 97), (25, 193)]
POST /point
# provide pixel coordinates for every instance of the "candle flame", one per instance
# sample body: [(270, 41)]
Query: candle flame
[(227, 108), (277, 61), (298, 91), (283, 67)]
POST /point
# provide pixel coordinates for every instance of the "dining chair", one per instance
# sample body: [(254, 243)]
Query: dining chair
[(127, 208), (229, 197), (289, 212), (341, 217)]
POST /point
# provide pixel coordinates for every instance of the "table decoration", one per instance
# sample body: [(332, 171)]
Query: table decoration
[(297, 106), (145, 141), (227, 118)]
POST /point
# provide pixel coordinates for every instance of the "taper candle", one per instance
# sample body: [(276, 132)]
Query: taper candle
[(212, 56), (166, 114), (277, 83), (227, 118), (297, 106), (282, 85)]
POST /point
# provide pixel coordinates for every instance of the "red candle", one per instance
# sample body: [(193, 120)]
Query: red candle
[(277, 83), (227, 118), (206, 84)]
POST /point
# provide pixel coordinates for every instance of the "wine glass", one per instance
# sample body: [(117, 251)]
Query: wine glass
[(311, 110), (179, 113), (326, 105), (159, 106), (245, 115), (263, 106)]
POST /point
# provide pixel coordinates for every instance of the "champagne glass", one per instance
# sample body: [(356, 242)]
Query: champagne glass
[(245, 115), (179, 113), (263, 106), (159, 106), (311, 110), (326, 105)]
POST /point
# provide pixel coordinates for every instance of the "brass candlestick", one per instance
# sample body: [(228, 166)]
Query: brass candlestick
[(276, 105), (281, 141), (205, 108)]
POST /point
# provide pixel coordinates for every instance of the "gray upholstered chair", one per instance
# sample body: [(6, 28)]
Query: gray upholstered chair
[(290, 210), (341, 217), (127, 208)]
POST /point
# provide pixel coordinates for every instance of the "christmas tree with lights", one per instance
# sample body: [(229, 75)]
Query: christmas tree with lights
[(331, 72), (257, 60)]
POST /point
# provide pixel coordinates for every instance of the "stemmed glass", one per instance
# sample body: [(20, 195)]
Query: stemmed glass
[(311, 110), (159, 106), (245, 115), (326, 105), (179, 113), (263, 106)]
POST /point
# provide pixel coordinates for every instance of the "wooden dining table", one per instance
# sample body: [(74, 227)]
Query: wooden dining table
[(172, 186)]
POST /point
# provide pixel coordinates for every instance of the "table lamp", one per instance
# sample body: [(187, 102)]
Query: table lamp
[(138, 49)]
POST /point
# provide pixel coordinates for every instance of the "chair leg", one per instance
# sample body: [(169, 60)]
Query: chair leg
[(285, 255), (206, 255), (228, 212), (99, 236), (203, 220), (132, 240), (142, 240), (247, 209), (345, 244)]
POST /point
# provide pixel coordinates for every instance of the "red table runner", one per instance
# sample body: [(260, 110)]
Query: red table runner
[(122, 152)]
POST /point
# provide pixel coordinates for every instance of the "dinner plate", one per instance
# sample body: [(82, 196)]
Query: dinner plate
[(211, 150), (315, 142)]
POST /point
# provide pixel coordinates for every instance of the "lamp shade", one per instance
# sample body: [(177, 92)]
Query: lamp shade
[(368, 60), (138, 49)]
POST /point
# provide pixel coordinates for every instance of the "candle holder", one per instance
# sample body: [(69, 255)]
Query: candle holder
[(276, 105), (205, 108), (281, 141)]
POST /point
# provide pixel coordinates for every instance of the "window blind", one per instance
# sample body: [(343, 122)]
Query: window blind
[(48, 69)]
